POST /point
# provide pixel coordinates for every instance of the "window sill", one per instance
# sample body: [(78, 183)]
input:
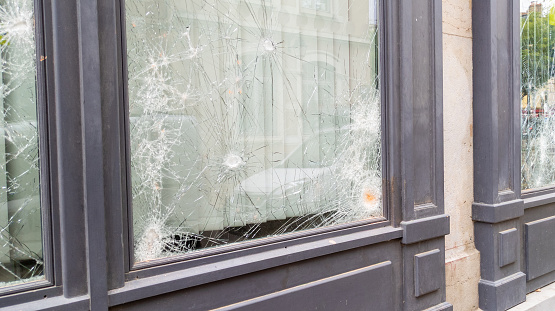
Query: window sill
[(240, 249), (538, 199), (219, 270)]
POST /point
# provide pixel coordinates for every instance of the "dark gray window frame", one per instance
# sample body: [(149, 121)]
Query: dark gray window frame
[(205, 257), (506, 219), (86, 136)]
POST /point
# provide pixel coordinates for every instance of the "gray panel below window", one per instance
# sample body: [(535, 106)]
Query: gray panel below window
[(508, 246), (426, 278), (540, 247), (369, 288)]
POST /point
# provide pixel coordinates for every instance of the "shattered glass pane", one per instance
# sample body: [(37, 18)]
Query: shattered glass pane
[(537, 33), (250, 119), (20, 218)]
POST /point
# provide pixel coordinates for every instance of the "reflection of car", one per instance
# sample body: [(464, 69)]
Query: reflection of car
[(297, 186), (279, 193)]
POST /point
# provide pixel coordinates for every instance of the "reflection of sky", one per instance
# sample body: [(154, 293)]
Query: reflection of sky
[(524, 4), (373, 13)]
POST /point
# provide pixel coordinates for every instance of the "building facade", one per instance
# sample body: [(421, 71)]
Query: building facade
[(275, 155)]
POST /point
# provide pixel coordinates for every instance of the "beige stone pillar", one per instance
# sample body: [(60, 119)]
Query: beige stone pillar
[(462, 264)]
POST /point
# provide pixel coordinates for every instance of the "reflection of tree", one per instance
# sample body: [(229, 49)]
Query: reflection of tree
[(537, 44), (538, 123)]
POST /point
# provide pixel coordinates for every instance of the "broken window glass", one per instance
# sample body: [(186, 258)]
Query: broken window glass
[(537, 33), (250, 119), (20, 217)]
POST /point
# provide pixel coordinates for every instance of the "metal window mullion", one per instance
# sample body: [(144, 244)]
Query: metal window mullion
[(93, 163), (114, 161), (68, 148)]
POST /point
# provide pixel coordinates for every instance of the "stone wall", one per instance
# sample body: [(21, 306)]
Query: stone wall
[(462, 259)]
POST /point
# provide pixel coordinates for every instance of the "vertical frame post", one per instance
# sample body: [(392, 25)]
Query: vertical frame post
[(497, 201)]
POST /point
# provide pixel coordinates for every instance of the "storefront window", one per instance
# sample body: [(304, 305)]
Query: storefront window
[(250, 119), (20, 218), (537, 33)]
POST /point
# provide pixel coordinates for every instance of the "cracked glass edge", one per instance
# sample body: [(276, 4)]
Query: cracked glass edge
[(250, 119)]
